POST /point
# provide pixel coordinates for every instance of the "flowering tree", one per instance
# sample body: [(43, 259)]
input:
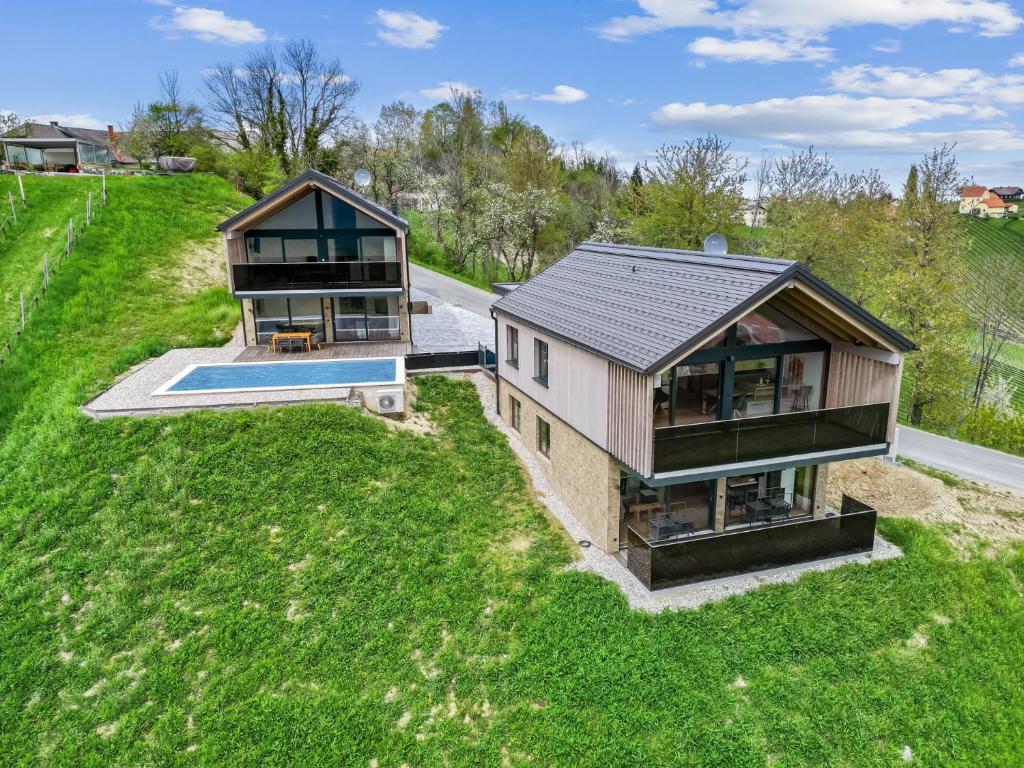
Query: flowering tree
[(515, 225)]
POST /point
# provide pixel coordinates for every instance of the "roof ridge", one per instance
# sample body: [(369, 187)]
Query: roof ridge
[(733, 260)]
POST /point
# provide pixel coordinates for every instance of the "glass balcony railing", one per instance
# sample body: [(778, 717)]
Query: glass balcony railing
[(673, 563), (693, 446), (316, 274)]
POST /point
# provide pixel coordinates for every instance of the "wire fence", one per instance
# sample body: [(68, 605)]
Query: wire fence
[(53, 258)]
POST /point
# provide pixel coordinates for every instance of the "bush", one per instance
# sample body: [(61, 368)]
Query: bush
[(422, 245), (987, 426)]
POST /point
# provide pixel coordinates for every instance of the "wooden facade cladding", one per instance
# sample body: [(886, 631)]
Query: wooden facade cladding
[(862, 375), (630, 426)]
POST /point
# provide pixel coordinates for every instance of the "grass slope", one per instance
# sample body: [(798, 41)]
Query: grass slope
[(304, 586)]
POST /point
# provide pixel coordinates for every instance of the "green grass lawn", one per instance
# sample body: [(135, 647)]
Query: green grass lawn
[(305, 586)]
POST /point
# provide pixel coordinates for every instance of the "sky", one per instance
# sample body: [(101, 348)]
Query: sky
[(876, 83)]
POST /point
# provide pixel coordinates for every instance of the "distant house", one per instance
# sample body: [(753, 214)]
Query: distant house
[(985, 203), (1008, 193), (54, 147), (754, 214)]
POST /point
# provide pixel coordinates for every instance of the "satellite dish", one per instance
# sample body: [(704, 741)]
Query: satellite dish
[(715, 243), (363, 177)]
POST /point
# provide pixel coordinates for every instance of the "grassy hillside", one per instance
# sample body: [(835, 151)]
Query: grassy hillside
[(305, 586)]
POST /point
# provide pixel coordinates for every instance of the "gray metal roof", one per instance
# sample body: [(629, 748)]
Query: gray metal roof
[(50, 131), (333, 186), (642, 306)]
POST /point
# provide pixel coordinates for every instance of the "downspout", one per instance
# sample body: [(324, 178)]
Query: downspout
[(497, 357)]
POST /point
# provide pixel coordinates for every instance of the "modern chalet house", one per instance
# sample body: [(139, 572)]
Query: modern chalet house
[(316, 256), (687, 405)]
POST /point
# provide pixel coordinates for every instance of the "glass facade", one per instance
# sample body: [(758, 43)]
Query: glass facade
[(666, 512), (753, 391), (274, 315), (769, 496), (767, 325), (360, 318), (802, 378)]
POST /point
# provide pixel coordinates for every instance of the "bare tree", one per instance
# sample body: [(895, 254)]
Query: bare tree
[(8, 122), (290, 103), (388, 148)]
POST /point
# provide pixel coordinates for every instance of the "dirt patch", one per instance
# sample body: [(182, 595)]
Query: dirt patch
[(197, 267), (898, 491)]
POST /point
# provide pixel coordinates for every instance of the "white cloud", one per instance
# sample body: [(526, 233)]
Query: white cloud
[(888, 45), (444, 90), (835, 121), (759, 49), (970, 84), (811, 17), (563, 94), (209, 26), (82, 120), (1017, 61), (408, 30)]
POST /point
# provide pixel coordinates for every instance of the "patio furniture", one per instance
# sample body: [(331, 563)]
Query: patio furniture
[(758, 508), (666, 527), (291, 341), (801, 399), (776, 498)]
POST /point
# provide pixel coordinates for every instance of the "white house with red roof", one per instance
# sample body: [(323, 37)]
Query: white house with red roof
[(976, 200)]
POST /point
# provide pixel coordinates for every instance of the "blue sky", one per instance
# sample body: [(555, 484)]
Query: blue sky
[(874, 82)]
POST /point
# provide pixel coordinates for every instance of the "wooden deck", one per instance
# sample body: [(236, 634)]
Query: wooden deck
[(262, 354)]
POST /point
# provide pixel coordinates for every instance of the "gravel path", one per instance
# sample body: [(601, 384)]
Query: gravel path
[(593, 560)]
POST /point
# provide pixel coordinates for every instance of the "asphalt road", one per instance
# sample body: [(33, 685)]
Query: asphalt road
[(971, 461), (451, 290)]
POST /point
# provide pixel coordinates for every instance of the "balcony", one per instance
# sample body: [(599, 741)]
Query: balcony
[(316, 275), (831, 434), (758, 546)]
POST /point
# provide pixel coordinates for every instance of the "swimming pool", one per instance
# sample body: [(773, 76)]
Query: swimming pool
[(298, 374)]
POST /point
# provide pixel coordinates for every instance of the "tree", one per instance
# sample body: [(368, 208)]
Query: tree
[(171, 125), (923, 291), (8, 122), (290, 103), (694, 189), (388, 149), (515, 227)]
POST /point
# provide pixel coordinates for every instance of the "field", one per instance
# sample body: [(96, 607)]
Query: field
[(309, 586)]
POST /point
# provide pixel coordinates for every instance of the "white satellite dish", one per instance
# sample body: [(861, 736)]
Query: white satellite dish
[(715, 243), (363, 177)]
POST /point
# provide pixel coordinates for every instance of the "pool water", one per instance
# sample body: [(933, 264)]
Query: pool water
[(241, 377)]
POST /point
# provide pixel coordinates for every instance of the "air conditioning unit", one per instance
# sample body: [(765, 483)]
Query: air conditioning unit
[(390, 400)]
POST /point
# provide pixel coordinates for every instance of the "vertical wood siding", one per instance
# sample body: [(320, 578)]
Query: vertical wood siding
[(630, 419), (858, 380)]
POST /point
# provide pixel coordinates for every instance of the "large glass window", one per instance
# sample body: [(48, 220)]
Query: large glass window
[(264, 250), (382, 318), (802, 377), (696, 395), (753, 392), (767, 325), (377, 248), (270, 314), (307, 311), (350, 318), (667, 512), (300, 250), (770, 496), (299, 215)]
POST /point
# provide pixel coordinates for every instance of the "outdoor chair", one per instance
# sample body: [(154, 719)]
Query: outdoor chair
[(801, 398)]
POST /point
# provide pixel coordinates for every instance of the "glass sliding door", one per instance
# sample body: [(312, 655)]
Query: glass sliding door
[(269, 314), (753, 392), (382, 318), (350, 318), (801, 382)]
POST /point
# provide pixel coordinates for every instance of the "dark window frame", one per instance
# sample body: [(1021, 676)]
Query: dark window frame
[(541, 361), (515, 412), (512, 342), (544, 438)]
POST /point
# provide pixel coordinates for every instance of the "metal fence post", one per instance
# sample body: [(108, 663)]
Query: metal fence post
[(71, 236), (10, 199), (46, 271), (21, 188)]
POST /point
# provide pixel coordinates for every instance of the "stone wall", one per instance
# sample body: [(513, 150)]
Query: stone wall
[(585, 476), (249, 319)]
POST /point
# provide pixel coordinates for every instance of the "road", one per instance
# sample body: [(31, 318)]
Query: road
[(963, 459), (451, 290), (971, 461)]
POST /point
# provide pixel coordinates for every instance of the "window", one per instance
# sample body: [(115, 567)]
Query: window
[(766, 325), (540, 362), (515, 409), (753, 391), (513, 346), (801, 382), (543, 437)]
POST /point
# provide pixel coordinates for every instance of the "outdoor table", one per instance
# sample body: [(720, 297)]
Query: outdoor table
[(305, 336)]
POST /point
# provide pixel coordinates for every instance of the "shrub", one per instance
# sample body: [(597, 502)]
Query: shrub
[(987, 426)]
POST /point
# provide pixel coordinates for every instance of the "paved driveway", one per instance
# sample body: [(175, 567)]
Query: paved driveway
[(451, 290), (963, 459)]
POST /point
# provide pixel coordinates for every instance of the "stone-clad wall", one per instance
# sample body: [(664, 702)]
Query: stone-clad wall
[(585, 476)]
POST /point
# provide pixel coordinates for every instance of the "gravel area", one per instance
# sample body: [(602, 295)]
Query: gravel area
[(448, 328), (132, 393), (593, 560)]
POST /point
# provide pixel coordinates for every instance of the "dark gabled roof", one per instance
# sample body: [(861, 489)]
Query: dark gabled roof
[(49, 131), (1006, 190), (333, 186), (643, 307)]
